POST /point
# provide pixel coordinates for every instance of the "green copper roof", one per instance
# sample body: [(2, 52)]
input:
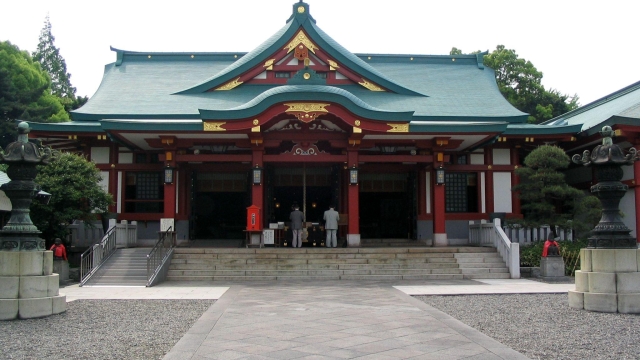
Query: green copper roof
[(305, 93), (148, 86), (620, 107)]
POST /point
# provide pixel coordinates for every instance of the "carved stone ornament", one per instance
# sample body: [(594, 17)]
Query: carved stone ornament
[(608, 158), (22, 156)]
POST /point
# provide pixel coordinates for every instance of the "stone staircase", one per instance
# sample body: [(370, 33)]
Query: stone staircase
[(389, 263), (126, 267), (391, 243)]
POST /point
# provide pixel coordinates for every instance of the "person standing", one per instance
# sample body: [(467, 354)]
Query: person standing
[(331, 218), (297, 218), (59, 251)]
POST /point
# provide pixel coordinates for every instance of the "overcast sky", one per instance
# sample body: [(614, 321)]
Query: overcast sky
[(583, 47)]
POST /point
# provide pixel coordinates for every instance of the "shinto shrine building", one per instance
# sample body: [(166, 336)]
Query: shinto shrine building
[(405, 146)]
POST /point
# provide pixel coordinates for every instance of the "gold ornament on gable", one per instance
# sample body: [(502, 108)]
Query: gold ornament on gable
[(213, 126), (399, 128), (301, 38), (269, 64), (371, 86), (306, 112), (230, 85)]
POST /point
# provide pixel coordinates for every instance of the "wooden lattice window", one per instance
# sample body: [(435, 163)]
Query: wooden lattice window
[(461, 192)]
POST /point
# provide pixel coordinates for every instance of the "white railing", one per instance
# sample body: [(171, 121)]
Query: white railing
[(522, 235), (96, 255), (126, 234), (118, 236), (83, 234), (491, 234)]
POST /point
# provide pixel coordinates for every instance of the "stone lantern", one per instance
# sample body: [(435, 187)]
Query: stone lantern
[(28, 286), (609, 278)]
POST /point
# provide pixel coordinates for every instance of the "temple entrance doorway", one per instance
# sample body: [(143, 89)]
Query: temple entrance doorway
[(386, 206), (312, 188), (218, 205)]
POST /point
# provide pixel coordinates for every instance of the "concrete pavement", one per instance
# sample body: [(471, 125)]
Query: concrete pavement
[(327, 319)]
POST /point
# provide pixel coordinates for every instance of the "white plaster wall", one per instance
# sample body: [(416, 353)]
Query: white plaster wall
[(502, 192), (628, 209), (125, 158), (100, 155), (104, 183), (476, 159), (627, 172), (5, 203), (119, 192), (340, 76), (501, 156), (483, 194), (428, 192)]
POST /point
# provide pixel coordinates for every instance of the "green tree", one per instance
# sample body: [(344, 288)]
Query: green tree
[(48, 55), (73, 183), (546, 197), (24, 92), (520, 82)]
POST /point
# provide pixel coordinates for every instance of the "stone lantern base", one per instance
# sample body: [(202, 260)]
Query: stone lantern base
[(609, 281), (28, 286)]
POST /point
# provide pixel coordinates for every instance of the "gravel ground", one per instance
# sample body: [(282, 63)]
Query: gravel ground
[(542, 326), (142, 329)]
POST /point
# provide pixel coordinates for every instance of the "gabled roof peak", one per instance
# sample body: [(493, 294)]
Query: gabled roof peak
[(301, 12)]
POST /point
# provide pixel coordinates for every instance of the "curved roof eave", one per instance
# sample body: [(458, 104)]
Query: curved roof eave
[(306, 93), (457, 126), (530, 129), (65, 127)]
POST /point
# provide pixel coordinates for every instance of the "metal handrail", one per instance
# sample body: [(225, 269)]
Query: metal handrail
[(159, 254), (96, 255)]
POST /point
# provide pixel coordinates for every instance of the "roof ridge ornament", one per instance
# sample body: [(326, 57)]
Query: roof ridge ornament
[(301, 12)]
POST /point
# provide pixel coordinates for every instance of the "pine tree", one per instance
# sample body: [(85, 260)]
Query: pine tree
[(48, 55)]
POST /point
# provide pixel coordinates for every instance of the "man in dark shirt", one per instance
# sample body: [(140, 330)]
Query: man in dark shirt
[(297, 218)]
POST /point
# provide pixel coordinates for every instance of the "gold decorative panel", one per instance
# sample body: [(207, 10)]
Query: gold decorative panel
[(332, 64), (307, 112), (399, 127), (269, 64), (214, 126), (301, 38), (230, 85), (371, 86)]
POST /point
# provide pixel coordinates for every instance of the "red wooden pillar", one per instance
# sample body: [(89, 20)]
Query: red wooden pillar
[(113, 177), (488, 190), (636, 189), (439, 221), (170, 189), (257, 190), (515, 180), (353, 229)]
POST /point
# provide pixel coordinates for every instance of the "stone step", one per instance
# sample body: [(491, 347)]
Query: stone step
[(301, 272), (487, 276), (304, 278), (182, 266), (481, 265), (458, 250)]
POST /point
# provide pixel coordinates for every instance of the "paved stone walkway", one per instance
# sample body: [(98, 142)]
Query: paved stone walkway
[(331, 320)]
